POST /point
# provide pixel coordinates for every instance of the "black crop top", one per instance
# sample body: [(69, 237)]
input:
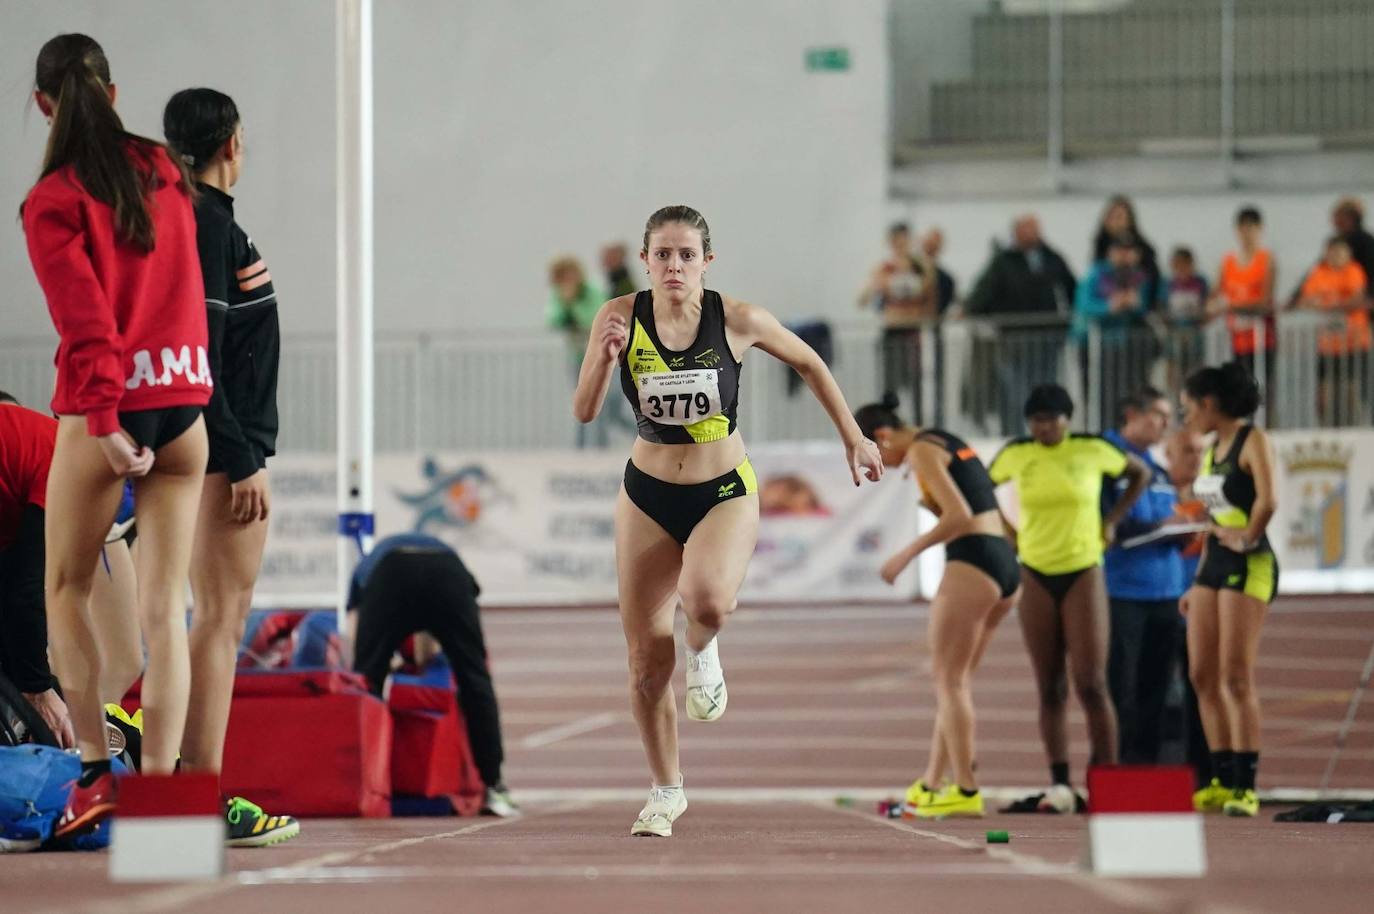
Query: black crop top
[(967, 471)]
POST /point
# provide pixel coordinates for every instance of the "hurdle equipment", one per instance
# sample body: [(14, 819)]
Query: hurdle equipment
[(168, 828), (1141, 822)]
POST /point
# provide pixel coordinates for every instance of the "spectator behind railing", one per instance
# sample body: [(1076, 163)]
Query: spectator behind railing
[(1183, 302), (1184, 294), (614, 263), (1337, 286), (932, 243), (903, 288), (573, 306), (1115, 292), (1348, 220), (1245, 294), (1028, 279), (1115, 297), (1118, 220)]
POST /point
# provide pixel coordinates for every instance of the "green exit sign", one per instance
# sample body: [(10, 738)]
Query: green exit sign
[(831, 59)]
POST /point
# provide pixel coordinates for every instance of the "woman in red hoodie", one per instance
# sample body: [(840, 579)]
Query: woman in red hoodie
[(112, 238)]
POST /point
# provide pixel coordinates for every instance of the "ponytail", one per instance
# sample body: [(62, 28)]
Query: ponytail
[(88, 135)]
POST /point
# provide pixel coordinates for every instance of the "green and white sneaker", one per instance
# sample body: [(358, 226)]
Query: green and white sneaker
[(497, 802), (249, 826), (658, 815), (706, 695)]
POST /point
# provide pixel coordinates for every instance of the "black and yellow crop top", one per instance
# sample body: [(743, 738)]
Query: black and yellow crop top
[(1226, 490), (689, 396), (967, 471)]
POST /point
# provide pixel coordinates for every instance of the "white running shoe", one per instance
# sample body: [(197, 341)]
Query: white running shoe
[(706, 695), (658, 815), (1059, 798)]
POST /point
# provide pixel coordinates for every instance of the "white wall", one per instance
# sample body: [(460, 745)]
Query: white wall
[(275, 59), (506, 134)]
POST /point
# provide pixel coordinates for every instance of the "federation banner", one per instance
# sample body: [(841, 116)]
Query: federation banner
[(538, 528)]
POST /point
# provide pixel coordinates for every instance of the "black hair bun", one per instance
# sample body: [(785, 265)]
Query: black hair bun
[(891, 401), (1240, 394)]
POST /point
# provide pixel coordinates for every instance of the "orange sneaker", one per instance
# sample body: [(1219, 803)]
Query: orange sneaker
[(88, 806)]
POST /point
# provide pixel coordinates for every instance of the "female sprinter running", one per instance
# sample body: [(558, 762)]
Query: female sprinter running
[(1061, 538), (687, 516), (1235, 583), (980, 584), (203, 127), (112, 238)]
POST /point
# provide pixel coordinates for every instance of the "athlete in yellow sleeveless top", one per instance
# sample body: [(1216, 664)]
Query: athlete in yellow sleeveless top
[(687, 518), (1235, 583), (1061, 538)]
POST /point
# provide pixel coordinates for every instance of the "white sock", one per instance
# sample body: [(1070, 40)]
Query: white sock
[(706, 658)]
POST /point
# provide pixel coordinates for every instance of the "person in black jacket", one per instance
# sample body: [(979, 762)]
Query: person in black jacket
[(1029, 290), (204, 128)]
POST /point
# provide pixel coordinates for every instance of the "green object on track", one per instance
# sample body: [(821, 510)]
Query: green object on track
[(998, 837), (844, 802)]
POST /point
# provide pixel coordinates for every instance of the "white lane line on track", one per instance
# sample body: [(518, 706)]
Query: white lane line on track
[(572, 728), (801, 690), (1117, 891), (898, 612), (615, 664), (665, 872), (905, 665), (182, 897), (901, 716), (1030, 745), (516, 617)]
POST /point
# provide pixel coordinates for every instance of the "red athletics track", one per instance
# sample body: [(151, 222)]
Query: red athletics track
[(822, 702)]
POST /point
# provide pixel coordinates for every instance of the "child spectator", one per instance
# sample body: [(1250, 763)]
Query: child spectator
[(1183, 300), (1336, 286), (1245, 294)]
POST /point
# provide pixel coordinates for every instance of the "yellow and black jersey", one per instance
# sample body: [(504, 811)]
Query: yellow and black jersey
[(1059, 490), (1225, 489), (687, 396)]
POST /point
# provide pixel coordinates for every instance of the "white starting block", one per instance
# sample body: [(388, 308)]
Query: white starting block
[(1141, 822), (168, 829)]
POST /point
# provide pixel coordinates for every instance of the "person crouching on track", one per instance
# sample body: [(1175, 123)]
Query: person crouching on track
[(981, 582), (412, 583)]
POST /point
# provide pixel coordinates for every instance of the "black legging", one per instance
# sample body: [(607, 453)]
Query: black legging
[(431, 591)]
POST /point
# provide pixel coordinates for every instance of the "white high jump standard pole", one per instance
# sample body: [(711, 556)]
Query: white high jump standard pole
[(353, 256)]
